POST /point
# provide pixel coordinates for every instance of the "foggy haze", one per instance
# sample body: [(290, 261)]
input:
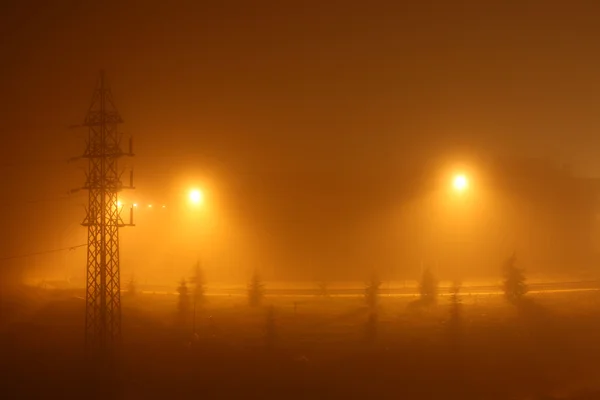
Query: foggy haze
[(332, 199), (319, 133)]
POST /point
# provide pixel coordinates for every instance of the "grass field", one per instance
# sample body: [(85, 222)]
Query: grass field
[(322, 348)]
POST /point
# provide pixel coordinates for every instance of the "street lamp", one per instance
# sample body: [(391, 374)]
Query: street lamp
[(460, 183), (196, 196)]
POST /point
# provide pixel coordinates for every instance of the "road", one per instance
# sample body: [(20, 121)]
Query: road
[(554, 287)]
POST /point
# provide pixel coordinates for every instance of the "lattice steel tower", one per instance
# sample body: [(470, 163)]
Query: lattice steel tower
[(103, 220)]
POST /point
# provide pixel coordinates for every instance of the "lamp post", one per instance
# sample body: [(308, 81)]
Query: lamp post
[(196, 198), (460, 186)]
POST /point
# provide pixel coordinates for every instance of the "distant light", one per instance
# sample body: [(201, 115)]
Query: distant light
[(135, 204), (460, 183), (149, 205), (164, 206), (196, 196), (119, 204)]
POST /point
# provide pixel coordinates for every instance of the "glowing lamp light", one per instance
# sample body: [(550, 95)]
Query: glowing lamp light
[(119, 204), (149, 205), (135, 204), (460, 183), (196, 196)]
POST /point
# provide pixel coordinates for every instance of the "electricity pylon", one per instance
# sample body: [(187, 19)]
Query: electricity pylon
[(103, 220)]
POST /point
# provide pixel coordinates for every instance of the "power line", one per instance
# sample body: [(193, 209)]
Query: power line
[(43, 252), (7, 202), (15, 164), (47, 199)]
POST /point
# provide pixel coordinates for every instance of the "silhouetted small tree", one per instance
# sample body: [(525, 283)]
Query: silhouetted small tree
[(183, 304), (428, 287), (514, 284), (372, 290), (256, 290), (132, 287), (324, 289)]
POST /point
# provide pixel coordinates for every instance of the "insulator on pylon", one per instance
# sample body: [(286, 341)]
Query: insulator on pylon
[(131, 178), (131, 145)]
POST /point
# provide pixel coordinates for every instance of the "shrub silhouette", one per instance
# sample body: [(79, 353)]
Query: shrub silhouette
[(514, 284), (372, 290), (256, 290), (428, 288)]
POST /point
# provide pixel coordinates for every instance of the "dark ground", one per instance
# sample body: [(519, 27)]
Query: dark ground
[(545, 348)]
